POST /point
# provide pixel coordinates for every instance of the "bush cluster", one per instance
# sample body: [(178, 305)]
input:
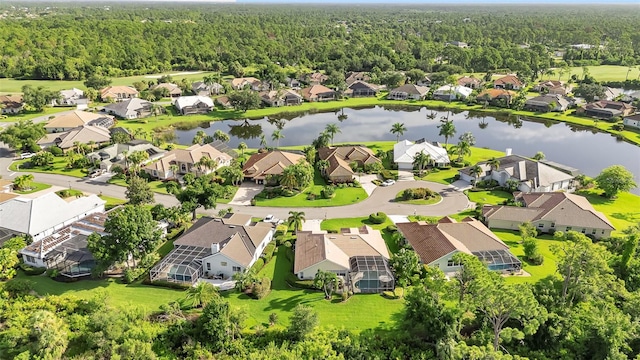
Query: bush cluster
[(267, 255), (417, 194), (487, 184), (258, 265), (387, 174), (30, 270), (262, 288), (274, 192), (327, 192), (378, 218)]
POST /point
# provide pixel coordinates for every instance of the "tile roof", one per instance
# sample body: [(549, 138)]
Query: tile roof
[(272, 162), (315, 90), (172, 88), (340, 157), (190, 155), (128, 107), (509, 79), (496, 93), (11, 101), (75, 119), (411, 89), (83, 135), (112, 91)]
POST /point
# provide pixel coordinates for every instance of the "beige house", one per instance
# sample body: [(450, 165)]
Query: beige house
[(285, 97), (436, 244), (359, 257), (214, 248), (118, 93), (86, 134), (318, 93), (173, 90), (244, 82), (470, 82), (315, 78), (341, 157), (550, 212), (260, 166), (78, 118), (178, 162), (11, 104), (408, 92), (509, 82)]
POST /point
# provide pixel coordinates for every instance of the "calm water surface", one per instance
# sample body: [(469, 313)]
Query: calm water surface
[(566, 144)]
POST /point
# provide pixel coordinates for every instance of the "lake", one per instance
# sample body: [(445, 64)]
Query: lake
[(585, 149)]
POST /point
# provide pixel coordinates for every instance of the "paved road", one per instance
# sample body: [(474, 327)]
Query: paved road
[(380, 200)]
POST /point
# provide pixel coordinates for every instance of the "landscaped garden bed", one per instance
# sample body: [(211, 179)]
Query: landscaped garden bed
[(418, 196)]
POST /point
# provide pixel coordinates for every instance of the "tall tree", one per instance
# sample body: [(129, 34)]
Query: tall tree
[(39, 97), (202, 191), (447, 129), (276, 136), (202, 294), (421, 160), (23, 135), (244, 100), (405, 264), (138, 191), (221, 135), (327, 281), (462, 149), (242, 147), (332, 130), (398, 129), (615, 179), (302, 322), (296, 219)]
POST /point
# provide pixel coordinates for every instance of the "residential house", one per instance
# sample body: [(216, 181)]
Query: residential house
[(261, 166), (404, 153), (315, 78), (74, 119), (499, 97), (73, 97), (114, 155), (11, 104), (548, 102), (611, 94), (361, 89), (632, 121), (84, 134), (530, 175), (66, 249), (436, 244), (553, 87), (358, 256), (470, 82), (214, 248), (292, 83), (408, 92), (450, 93), (118, 93), (45, 213), (247, 82), (425, 81), (318, 93), (353, 76), (550, 212), (178, 162), (224, 102), (187, 105), (285, 97), (173, 90), (509, 82), (201, 88), (134, 108), (340, 159), (605, 109)]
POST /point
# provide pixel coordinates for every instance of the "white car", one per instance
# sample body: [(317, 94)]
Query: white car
[(26, 155), (269, 218), (388, 182)]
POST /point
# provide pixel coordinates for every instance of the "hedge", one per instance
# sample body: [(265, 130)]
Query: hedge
[(293, 281), (30, 270), (258, 265), (378, 218)]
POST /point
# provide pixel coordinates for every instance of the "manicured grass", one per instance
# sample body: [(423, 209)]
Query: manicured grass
[(66, 193), (337, 224), (34, 187), (545, 242), (26, 115), (434, 200), (59, 166), (361, 311), (490, 197), (111, 201), (446, 176), (622, 212), (156, 185)]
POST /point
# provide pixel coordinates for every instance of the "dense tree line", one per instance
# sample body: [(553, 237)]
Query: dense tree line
[(77, 42)]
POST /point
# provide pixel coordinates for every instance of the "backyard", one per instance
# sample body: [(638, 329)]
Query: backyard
[(59, 166), (489, 197)]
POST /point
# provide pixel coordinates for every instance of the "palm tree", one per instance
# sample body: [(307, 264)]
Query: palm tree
[(476, 171), (276, 136), (202, 294), (242, 147), (332, 130), (23, 182), (398, 129), (263, 141), (206, 163), (139, 133), (322, 166), (483, 124), (199, 137), (539, 156), (156, 109), (463, 148), (421, 160), (288, 179), (296, 218), (174, 168), (221, 135), (494, 164), (92, 145), (342, 117), (447, 129)]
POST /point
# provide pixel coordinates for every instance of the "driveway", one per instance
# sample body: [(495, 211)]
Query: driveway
[(404, 175), (366, 181), (245, 193)]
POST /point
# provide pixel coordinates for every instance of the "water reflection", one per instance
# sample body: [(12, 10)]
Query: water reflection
[(245, 130)]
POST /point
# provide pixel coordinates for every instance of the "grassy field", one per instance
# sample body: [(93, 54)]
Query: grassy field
[(34, 187), (600, 73), (156, 186), (623, 211), (537, 272), (489, 197), (111, 201), (26, 115), (59, 166)]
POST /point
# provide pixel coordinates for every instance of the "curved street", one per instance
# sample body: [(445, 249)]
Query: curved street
[(380, 200)]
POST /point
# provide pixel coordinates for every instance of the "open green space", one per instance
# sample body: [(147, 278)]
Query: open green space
[(156, 186), (622, 212), (111, 201), (537, 272), (26, 115), (489, 197), (433, 200), (33, 187), (59, 166)]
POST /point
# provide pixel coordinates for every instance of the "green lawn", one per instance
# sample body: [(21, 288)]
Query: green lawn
[(156, 186), (623, 211), (111, 201), (446, 176), (26, 115), (361, 311), (490, 197), (434, 200), (548, 267), (34, 187), (59, 166)]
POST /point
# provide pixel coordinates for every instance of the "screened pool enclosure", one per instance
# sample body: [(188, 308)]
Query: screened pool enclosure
[(370, 274), (182, 265)]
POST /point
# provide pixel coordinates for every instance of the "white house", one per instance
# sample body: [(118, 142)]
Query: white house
[(193, 104), (133, 108), (358, 256), (114, 155), (45, 214), (632, 121), (72, 97), (404, 153), (530, 175), (450, 92), (436, 244), (214, 248)]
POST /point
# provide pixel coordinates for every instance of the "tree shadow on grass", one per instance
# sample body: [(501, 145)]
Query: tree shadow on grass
[(630, 217)]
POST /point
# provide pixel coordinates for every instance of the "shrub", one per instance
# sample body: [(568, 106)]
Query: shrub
[(53, 273), (311, 196), (378, 218), (18, 287), (392, 228), (56, 151), (32, 271), (618, 127), (387, 174), (345, 295), (328, 192), (417, 193), (268, 251), (253, 202), (293, 280), (260, 289), (258, 265)]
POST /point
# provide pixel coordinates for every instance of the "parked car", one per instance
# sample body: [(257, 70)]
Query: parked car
[(388, 182), (271, 219), (26, 155), (95, 173)]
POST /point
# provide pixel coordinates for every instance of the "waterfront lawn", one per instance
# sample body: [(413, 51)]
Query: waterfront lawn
[(59, 166), (622, 212), (35, 187), (489, 197), (360, 312), (537, 272)]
